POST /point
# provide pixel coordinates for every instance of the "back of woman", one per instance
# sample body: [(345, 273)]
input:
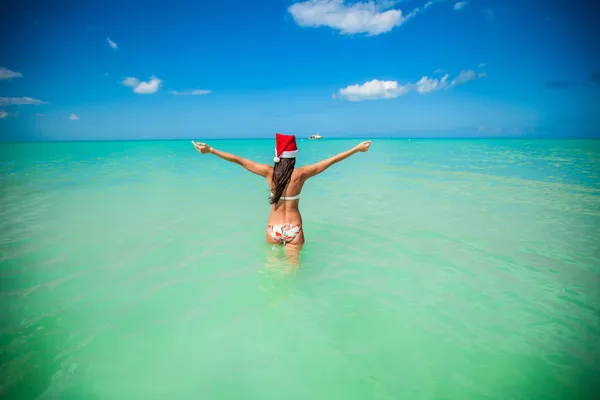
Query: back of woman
[(291, 192), (286, 182)]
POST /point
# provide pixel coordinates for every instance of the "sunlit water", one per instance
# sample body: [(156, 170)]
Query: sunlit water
[(432, 270)]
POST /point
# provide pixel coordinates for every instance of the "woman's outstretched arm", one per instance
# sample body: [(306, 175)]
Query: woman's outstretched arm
[(316, 169), (254, 167)]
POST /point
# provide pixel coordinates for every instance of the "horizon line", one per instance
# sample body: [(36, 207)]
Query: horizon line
[(317, 140)]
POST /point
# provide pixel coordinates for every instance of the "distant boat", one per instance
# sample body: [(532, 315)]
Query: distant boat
[(315, 136)]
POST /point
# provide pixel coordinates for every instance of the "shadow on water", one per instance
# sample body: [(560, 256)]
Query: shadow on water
[(281, 273), (278, 274)]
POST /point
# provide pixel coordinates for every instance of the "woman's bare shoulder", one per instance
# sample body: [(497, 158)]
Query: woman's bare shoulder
[(299, 171)]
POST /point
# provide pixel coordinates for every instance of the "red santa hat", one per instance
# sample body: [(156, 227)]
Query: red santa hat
[(285, 147)]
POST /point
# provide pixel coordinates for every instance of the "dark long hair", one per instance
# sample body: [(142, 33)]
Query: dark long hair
[(282, 173)]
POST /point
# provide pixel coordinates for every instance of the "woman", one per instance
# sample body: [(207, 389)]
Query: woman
[(286, 181)]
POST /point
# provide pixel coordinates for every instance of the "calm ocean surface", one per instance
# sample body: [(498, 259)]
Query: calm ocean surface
[(433, 269)]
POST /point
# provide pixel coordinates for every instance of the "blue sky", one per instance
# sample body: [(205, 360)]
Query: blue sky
[(181, 69)]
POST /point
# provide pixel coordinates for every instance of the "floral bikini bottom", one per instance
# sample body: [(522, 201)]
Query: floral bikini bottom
[(284, 233)]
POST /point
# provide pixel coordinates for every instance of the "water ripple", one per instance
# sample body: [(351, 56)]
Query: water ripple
[(464, 265)]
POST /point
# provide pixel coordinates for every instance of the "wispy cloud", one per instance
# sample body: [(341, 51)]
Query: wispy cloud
[(460, 5), (490, 130), (428, 85), (466, 76), (558, 85), (367, 17), (490, 14), (73, 117), (140, 87), (112, 44), (130, 81), (13, 101), (195, 92), (380, 90), (481, 65), (40, 115), (6, 73), (4, 114)]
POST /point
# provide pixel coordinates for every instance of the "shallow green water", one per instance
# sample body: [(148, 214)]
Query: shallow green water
[(432, 270)]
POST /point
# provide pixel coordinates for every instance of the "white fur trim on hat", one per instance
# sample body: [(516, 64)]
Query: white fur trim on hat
[(289, 154)]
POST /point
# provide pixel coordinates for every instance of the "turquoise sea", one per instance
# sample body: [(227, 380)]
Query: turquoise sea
[(433, 269)]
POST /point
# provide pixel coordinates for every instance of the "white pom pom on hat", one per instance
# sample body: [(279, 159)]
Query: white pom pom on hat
[(276, 159)]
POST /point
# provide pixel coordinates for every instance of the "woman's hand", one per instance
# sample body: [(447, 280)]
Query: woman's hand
[(364, 146), (202, 147)]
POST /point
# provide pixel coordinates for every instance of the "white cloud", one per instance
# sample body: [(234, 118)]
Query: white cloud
[(5, 101), (481, 65), (152, 86), (460, 5), (6, 73), (373, 90), (364, 17), (195, 92), (73, 117), (377, 90), (112, 44)]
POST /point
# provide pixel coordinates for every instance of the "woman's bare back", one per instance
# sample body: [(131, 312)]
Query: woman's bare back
[(286, 210), (285, 221)]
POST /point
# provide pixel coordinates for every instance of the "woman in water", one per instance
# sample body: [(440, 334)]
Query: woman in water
[(286, 181)]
